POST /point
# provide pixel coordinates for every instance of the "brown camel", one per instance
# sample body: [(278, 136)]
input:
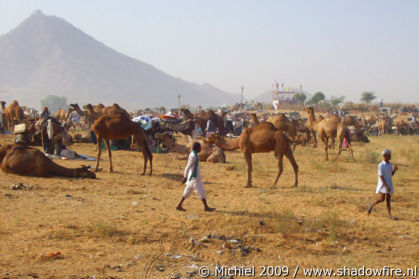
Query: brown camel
[(96, 108), (260, 139), (118, 126), (13, 112), (384, 125), (209, 152), (312, 124), (78, 110), (333, 128), (4, 116), (61, 115), (350, 120), (21, 159), (89, 114), (223, 143)]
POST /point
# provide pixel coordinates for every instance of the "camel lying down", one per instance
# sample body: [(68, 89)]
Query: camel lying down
[(20, 159)]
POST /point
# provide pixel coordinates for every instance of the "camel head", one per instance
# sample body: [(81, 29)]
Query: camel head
[(309, 109), (88, 107), (212, 138), (3, 104), (84, 172)]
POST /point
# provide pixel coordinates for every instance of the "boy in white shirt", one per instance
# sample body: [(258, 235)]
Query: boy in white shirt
[(385, 182), (192, 178)]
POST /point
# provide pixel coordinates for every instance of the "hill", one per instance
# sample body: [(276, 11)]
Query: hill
[(47, 55)]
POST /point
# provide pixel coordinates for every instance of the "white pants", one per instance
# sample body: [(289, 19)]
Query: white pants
[(197, 186)]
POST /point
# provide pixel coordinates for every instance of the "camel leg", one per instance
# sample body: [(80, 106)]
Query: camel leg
[(332, 143), (99, 151), (314, 138), (280, 168), (108, 147), (290, 157), (145, 155), (350, 149), (141, 142), (248, 157), (340, 149), (326, 146)]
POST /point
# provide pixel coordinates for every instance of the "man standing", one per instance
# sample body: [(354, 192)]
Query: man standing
[(210, 129), (192, 178), (385, 182), (45, 114), (46, 142)]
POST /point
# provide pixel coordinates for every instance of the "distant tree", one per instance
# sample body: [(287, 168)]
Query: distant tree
[(334, 101), (317, 97), (54, 102), (300, 98), (368, 97)]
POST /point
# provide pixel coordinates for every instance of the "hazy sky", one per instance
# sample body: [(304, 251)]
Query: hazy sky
[(341, 48)]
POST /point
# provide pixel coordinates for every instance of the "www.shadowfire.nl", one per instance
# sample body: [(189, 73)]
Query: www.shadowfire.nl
[(384, 271)]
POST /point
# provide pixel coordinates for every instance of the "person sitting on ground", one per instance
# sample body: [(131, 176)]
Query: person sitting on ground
[(192, 178), (385, 182)]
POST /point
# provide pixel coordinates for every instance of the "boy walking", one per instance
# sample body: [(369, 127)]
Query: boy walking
[(385, 182), (192, 178)]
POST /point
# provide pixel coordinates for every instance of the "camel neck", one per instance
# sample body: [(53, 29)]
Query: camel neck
[(312, 116), (229, 145)]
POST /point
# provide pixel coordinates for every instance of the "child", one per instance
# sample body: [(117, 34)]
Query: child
[(385, 182), (192, 178)]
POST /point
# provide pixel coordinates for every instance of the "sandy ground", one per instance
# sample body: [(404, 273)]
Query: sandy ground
[(124, 225)]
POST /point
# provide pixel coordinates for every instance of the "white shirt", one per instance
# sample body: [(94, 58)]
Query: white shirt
[(386, 171), (190, 167)]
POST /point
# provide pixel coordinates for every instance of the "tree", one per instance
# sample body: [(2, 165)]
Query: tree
[(336, 100), (367, 97), (300, 98), (54, 103), (317, 97)]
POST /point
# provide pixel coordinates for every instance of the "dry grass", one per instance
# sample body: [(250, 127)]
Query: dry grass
[(100, 231)]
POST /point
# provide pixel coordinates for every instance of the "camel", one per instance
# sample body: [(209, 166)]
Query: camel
[(4, 123), (384, 125), (20, 159), (350, 120), (223, 143), (203, 117), (118, 126), (260, 139), (12, 112), (61, 115), (312, 124), (209, 152), (90, 114), (327, 128)]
